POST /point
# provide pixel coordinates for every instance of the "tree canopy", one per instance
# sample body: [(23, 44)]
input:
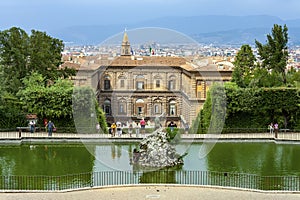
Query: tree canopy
[(262, 90), (34, 82), (51, 101), (62, 102), (274, 54), (244, 65), (22, 54)]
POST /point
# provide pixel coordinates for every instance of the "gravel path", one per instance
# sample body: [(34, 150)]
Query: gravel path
[(152, 192)]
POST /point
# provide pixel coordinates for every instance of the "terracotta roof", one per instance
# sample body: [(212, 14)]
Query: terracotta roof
[(94, 62), (148, 61), (70, 65), (209, 67)]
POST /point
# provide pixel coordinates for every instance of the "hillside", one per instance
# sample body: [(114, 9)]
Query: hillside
[(204, 29)]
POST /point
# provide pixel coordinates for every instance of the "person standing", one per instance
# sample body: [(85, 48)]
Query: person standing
[(113, 129), (130, 128), (119, 129), (98, 127), (50, 127), (137, 129), (276, 129), (172, 125), (143, 125), (45, 124), (271, 127), (31, 125)]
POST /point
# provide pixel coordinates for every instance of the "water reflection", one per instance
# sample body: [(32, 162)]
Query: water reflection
[(49, 160), (263, 159), (120, 159)]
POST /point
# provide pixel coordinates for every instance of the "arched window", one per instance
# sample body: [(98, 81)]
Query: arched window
[(172, 108), (157, 109), (122, 107), (157, 105), (140, 105), (107, 85), (107, 107)]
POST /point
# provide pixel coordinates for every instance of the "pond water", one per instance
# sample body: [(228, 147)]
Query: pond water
[(260, 158)]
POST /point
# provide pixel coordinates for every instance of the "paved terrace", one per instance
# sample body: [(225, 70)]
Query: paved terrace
[(11, 136), (148, 192)]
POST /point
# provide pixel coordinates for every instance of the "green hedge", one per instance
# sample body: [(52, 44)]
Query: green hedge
[(251, 109)]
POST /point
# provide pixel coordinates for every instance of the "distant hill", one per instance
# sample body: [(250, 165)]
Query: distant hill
[(209, 29), (244, 36)]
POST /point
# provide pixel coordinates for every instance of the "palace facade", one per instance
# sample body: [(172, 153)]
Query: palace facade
[(132, 87)]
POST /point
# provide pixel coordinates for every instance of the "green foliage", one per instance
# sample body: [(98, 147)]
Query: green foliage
[(14, 56), (174, 136), (86, 111), (293, 78), (274, 54), (256, 108), (10, 114), (21, 55), (197, 124), (215, 117), (32, 80), (263, 78), (271, 93), (57, 102), (212, 117), (244, 65), (51, 102), (252, 109), (45, 56), (101, 118)]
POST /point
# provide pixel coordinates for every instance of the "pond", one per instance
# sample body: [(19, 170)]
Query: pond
[(260, 158)]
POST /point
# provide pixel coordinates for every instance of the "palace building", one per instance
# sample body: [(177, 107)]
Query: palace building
[(131, 87)]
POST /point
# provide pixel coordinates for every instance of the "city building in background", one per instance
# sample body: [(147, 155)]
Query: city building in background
[(130, 87)]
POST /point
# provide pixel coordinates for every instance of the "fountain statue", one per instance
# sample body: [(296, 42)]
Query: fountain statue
[(157, 151)]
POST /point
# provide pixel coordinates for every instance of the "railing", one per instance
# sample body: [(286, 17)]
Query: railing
[(115, 178), (282, 136)]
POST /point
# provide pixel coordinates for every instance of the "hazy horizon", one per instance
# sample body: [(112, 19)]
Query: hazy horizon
[(55, 14)]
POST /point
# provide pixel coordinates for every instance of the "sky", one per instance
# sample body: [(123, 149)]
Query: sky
[(52, 14)]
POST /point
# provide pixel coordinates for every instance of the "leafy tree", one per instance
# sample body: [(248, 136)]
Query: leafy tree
[(274, 54), (244, 64), (293, 78), (58, 102), (21, 55), (51, 101), (14, 54), (262, 78), (10, 114), (45, 56)]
